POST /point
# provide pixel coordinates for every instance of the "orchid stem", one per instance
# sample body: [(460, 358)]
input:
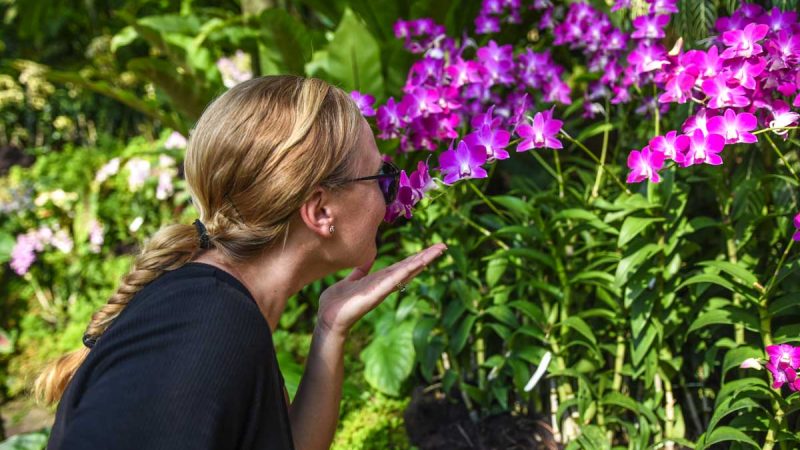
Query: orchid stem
[(764, 130), (599, 176), (594, 158), (778, 151), (560, 178), (471, 223), (486, 200)]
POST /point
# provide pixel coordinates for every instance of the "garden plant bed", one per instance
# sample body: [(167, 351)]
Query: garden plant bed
[(435, 422)]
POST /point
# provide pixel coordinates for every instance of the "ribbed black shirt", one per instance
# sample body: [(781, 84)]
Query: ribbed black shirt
[(188, 364)]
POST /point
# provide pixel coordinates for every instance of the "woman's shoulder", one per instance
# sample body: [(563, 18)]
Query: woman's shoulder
[(195, 301)]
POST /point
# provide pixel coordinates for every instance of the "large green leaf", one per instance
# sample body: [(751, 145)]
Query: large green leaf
[(351, 59), (389, 358), (287, 40)]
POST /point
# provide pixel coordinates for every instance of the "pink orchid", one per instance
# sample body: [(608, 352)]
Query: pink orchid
[(743, 43), (734, 127), (644, 165), (670, 145), (704, 149)]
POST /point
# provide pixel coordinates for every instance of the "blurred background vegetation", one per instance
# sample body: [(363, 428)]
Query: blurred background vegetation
[(95, 96)]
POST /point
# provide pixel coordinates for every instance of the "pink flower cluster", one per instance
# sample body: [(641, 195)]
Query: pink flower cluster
[(746, 77), (446, 89), (23, 254)]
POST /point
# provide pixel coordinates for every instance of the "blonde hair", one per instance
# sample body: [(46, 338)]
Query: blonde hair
[(253, 158)]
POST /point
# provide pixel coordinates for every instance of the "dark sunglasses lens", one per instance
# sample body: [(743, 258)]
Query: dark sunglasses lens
[(388, 188)]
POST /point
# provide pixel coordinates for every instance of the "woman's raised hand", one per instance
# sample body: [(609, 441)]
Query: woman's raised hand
[(342, 304)]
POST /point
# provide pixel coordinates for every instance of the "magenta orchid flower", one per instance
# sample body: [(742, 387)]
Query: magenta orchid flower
[(645, 165), (796, 235), (781, 376), (784, 355), (721, 94), (494, 141), (704, 149), (743, 43), (734, 127), (462, 163), (650, 26), (670, 145), (364, 102), (542, 133)]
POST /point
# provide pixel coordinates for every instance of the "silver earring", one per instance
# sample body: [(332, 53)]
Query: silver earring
[(331, 229)]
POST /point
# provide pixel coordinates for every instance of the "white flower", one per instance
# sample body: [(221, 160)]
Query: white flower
[(95, 236), (236, 69), (175, 140), (139, 171), (751, 363), (62, 241), (136, 224), (110, 168), (165, 188)]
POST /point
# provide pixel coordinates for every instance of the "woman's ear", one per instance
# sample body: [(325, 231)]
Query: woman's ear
[(316, 212)]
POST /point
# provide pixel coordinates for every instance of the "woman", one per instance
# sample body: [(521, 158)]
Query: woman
[(290, 187)]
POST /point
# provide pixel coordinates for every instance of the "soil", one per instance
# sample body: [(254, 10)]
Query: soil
[(13, 156), (440, 424)]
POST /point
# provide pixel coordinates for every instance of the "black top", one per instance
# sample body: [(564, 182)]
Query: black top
[(188, 364)]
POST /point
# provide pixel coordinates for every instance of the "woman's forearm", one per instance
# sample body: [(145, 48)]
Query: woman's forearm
[(315, 410)]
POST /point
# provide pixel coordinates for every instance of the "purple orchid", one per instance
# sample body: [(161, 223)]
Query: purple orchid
[(462, 163), (743, 43), (542, 133), (364, 102), (650, 26), (784, 355), (734, 127), (796, 235), (781, 376), (722, 95), (670, 145), (704, 149), (644, 165), (699, 121), (493, 141), (389, 119)]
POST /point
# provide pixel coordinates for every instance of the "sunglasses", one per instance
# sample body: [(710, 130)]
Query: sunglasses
[(388, 180)]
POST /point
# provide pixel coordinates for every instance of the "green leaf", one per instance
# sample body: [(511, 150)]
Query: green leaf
[(734, 270), (504, 314), (7, 242), (594, 130), (723, 434), (288, 41), (731, 405), (389, 358), (352, 58), (123, 38), (513, 204), (726, 316), (631, 228), (495, 270), (579, 325), (631, 263), (459, 338)]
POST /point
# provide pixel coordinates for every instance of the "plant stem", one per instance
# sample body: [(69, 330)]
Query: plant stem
[(595, 159), (471, 223), (486, 200), (778, 151), (775, 425), (764, 130), (598, 178), (763, 304), (560, 178)]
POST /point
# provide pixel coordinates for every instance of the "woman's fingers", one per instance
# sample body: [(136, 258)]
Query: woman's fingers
[(408, 268)]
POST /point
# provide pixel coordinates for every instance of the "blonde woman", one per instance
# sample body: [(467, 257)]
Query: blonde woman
[(290, 187)]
